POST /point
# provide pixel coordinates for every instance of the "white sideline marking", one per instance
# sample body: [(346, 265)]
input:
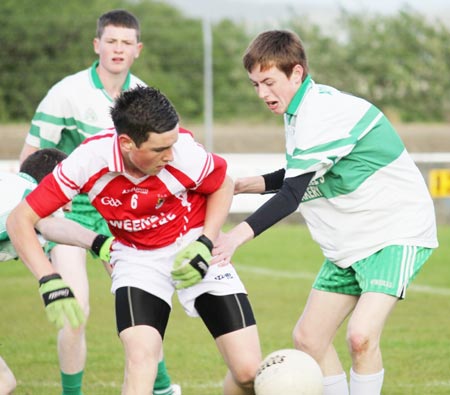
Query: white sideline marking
[(275, 273), (425, 289), (427, 384)]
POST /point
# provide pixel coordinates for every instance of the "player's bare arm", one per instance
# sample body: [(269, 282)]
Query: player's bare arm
[(282, 204), (68, 232), (59, 300), (65, 231), (59, 230), (252, 184), (218, 207), (266, 183), (21, 230)]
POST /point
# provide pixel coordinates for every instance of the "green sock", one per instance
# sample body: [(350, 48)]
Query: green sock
[(71, 383), (162, 383)]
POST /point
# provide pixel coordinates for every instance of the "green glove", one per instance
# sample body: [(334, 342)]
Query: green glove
[(60, 302), (191, 263), (101, 246)]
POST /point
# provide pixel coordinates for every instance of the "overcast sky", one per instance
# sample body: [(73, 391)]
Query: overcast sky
[(317, 10)]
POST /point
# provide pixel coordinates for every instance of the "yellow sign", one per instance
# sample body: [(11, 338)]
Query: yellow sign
[(439, 182)]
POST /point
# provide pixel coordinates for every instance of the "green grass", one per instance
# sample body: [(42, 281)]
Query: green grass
[(278, 268)]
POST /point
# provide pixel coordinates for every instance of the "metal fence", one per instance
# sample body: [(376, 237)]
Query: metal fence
[(435, 168)]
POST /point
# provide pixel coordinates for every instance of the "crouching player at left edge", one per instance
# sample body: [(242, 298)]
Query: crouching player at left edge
[(165, 200), (55, 228)]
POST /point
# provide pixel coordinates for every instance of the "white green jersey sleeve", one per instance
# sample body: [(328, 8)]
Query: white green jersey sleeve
[(76, 107), (14, 188), (367, 192)]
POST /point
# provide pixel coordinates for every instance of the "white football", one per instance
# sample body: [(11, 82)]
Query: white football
[(289, 372)]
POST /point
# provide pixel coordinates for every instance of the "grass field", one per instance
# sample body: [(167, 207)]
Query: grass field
[(416, 341)]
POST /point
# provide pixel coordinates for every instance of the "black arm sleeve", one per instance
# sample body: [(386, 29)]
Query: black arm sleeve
[(281, 205), (273, 181)]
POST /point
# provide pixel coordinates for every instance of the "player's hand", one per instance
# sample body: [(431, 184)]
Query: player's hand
[(192, 262), (101, 246), (224, 248), (60, 302)]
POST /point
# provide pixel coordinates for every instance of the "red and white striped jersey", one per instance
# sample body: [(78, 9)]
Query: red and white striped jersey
[(145, 213)]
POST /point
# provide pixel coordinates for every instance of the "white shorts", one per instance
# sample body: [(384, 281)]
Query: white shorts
[(149, 270)]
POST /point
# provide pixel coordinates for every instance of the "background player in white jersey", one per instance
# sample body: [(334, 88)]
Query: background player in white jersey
[(363, 200), (165, 199), (77, 107), (14, 188)]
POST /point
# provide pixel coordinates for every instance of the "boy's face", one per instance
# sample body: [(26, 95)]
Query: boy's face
[(151, 156), (275, 88), (117, 49)]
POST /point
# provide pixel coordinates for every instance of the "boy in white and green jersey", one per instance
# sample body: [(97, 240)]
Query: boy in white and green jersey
[(75, 108), (15, 187), (363, 199)]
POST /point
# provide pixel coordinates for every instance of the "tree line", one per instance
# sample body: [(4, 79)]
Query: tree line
[(399, 62)]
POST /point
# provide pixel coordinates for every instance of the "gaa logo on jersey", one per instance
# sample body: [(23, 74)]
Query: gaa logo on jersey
[(109, 201)]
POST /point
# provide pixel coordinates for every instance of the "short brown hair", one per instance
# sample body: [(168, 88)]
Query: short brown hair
[(280, 48), (121, 18)]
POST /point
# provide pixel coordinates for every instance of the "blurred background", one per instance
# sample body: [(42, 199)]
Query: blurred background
[(394, 53)]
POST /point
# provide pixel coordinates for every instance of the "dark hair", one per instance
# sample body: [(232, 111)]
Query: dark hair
[(143, 110), (42, 162), (120, 18), (280, 48)]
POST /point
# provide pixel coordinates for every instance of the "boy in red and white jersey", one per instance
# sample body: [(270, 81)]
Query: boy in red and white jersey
[(165, 200)]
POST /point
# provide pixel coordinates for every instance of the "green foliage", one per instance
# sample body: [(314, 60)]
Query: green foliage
[(234, 96), (172, 58), (397, 62), (41, 44), (278, 268)]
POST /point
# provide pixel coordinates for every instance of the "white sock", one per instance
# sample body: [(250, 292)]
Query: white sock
[(335, 385), (366, 384)]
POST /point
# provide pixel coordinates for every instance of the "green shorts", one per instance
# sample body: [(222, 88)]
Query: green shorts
[(388, 271), (87, 215)]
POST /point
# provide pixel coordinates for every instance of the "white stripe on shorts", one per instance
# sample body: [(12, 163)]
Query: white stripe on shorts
[(406, 269)]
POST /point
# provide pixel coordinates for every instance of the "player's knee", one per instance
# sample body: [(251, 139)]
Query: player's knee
[(244, 371), (139, 359), (359, 342), (139, 356), (245, 376), (306, 341)]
